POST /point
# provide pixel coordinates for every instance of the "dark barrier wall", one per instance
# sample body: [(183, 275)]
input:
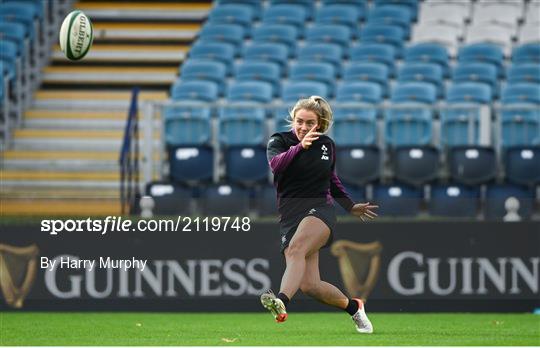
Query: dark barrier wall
[(424, 266)]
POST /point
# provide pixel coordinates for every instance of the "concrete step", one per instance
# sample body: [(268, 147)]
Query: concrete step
[(173, 54), (61, 184), (145, 11), (59, 207), (66, 165), (51, 175), (109, 100), (28, 192), (77, 75)]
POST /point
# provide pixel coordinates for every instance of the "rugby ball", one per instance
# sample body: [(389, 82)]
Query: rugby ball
[(76, 35)]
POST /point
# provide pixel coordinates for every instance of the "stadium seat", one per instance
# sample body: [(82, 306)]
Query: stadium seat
[(496, 196), (358, 165), (290, 14), (450, 13), (526, 72), (477, 72), (267, 52), (266, 200), (472, 165), (423, 72), (292, 91), (412, 5), (374, 53), (205, 91), (532, 13), (226, 33), (415, 165), (529, 53), (170, 198), (368, 72), (357, 194), (520, 115), (187, 125), (529, 34), (365, 92), (277, 33), (409, 121), (522, 165), (260, 71), (493, 34), (384, 34), (232, 14), (428, 53), (454, 201), (322, 52), (250, 91), (437, 33), (469, 92), (216, 72), (255, 5), (329, 33), (499, 13), (225, 200), (191, 164), (214, 51), (521, 93), (483, 53), (397, 200), (391, 15), (341, 14), (316, 71), (246, 165), (242, 124), (307, 5)]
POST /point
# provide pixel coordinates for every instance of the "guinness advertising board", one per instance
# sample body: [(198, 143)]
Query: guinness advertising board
[(413, 266)]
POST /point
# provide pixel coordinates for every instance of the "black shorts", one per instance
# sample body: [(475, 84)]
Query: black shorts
[(289, 225)]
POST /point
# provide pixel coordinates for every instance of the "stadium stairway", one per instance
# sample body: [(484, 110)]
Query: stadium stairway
[(64, 159)]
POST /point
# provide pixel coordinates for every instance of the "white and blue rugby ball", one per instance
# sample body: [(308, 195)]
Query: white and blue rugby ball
[(76, 35)]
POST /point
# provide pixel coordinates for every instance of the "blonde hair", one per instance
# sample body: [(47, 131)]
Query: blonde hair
[(317, 105)]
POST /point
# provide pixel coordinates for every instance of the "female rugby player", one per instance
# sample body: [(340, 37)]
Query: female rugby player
[(303, 162)]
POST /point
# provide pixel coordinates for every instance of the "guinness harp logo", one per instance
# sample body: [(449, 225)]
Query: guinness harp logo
[(359, 265), (18, 268)]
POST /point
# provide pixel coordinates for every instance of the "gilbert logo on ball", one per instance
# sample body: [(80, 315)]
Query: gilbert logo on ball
[(76, 35)]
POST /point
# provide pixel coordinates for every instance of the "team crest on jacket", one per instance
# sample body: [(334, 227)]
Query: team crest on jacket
[(325, 153)]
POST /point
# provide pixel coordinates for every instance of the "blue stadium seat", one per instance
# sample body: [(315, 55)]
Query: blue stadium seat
[(329, 33), (246, 165), (522, 165), (358, 165), (365, 92), (423, 72), (469, 92), (169, 198), (477, 72), (225, 200), (342, 14), (391, 15), (9, 51), (191, 164), (266, 200), (374, 53), (187, 125), (521, 93), (290, 14), (193, 69), (260, 71), (315, 71), (483, 53), (428, 53), (412, 5), (529, 53), (472, 165), (415, 165), (242, 124), (255, 5), (252, 91), (277, 33), (322, 52), (206, 91), (368, 72), (307, 5), (397, 200), (37, 5), (526, 72), (15, 32), (232, 14), (226, 33), (455, 201), (384, 34), (267, 52), (292, 91), (409, 122), (214, 51), (357, 194), (496, 196)]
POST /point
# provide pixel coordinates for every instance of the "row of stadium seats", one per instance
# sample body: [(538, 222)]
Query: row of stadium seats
[(451, 201)]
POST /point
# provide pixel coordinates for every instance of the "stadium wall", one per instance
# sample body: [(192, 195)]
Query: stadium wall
[(415, 266)]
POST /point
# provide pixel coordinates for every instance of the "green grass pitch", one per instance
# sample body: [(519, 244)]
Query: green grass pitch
[(254, 329)]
